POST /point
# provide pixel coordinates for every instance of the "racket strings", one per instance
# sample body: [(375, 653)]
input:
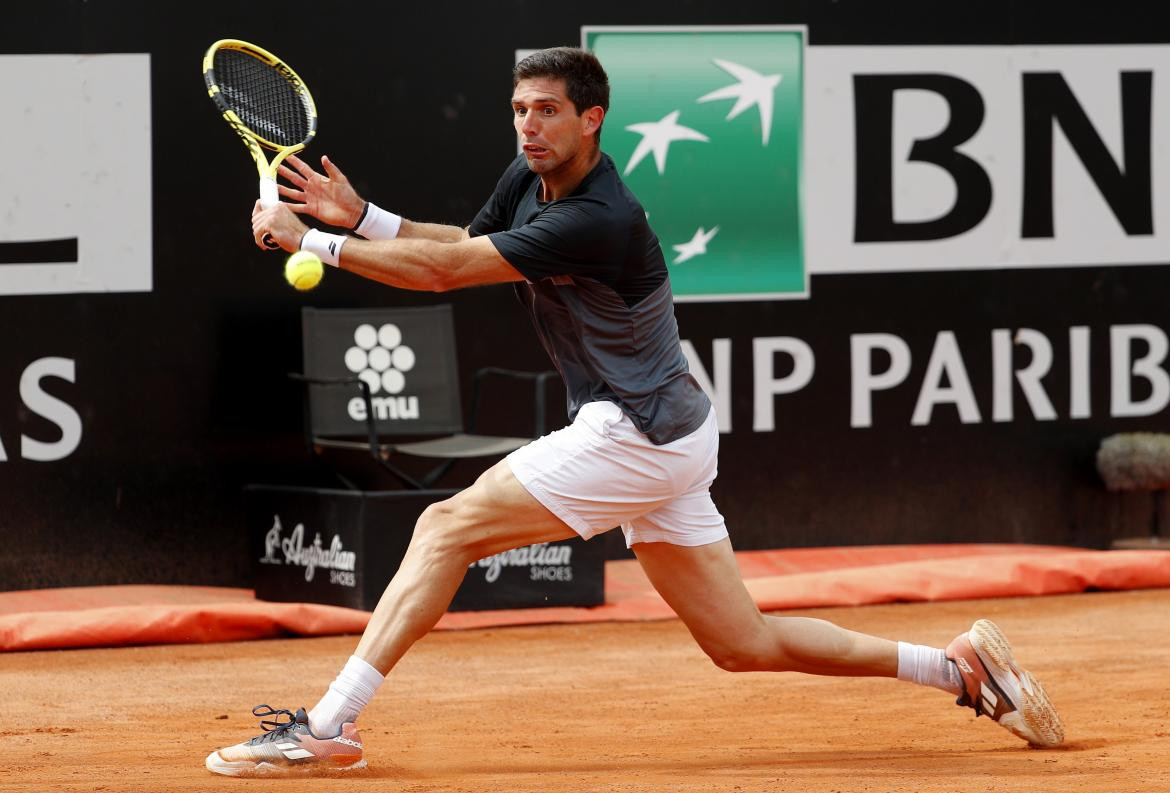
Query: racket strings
[(263, 98)]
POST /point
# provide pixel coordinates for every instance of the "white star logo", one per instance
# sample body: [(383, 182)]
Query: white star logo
[(753, 88), (657, 137), (696, 246)]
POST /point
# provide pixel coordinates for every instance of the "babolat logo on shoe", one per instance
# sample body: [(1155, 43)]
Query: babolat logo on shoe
[(381, 360), (293, 751), (705, 126), (347, 742)]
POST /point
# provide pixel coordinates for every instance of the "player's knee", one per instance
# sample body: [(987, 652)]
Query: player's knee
[(437, 531), (737, 658)]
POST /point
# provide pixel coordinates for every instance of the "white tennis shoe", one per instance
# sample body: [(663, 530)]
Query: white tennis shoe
[(997, 687), (288, 747)]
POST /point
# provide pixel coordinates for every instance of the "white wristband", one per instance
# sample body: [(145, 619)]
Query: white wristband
[(378, 224), (326, 246)]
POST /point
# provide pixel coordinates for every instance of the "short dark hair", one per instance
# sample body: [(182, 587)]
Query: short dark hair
[(586, 83)]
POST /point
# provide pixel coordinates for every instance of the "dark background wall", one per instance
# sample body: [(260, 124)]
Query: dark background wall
[(182, 391)]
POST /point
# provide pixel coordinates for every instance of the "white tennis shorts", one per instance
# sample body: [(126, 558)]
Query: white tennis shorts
[(601, 472)]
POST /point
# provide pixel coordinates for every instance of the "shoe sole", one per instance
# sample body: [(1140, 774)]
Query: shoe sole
[(1036, 709), (244, 768)]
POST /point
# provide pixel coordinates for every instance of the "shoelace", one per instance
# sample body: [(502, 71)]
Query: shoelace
[(273, 729)]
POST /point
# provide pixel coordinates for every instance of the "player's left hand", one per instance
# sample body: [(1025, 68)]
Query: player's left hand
[(279, 222), (327, 196)]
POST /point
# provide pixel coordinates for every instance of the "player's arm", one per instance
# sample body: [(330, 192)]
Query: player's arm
[(330, 197), (438, 232), (426, 264), (421, 264)]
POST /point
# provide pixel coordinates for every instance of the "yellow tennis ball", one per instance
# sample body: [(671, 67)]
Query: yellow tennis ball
[(303, 270)]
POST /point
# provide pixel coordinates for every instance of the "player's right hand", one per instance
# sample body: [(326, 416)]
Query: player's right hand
[(278, 223), (328, 196)]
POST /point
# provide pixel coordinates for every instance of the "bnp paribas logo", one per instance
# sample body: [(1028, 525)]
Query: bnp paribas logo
[(705, 126)]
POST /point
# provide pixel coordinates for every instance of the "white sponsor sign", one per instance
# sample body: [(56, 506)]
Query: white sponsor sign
[(1139, 383), (75, 189), (333, 558), (1085, 228), (547, 562)]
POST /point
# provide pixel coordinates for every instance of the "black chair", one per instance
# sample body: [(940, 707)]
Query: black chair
[(385, 382)]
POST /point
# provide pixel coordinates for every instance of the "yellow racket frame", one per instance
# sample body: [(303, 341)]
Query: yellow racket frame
[(254, 141)]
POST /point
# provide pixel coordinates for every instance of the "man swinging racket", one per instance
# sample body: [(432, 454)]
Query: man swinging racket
[(640, 451)]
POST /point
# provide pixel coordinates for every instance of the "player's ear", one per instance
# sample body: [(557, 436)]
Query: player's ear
[(592, 118)]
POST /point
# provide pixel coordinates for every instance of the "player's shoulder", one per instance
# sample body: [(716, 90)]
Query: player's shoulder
[(609, 195)]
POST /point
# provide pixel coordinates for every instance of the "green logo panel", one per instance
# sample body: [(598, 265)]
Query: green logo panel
[(705, 126)]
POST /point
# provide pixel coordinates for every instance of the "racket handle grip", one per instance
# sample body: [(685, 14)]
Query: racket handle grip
[(269, 197)]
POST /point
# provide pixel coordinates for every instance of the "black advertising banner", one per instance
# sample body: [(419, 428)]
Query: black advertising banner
[(565, 573), (922, 255), (342, 547), (311, 546)]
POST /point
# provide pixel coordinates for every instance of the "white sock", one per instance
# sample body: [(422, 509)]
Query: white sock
[(348, 694), (928, 666)]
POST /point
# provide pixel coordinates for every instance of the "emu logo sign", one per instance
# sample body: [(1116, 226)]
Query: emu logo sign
[(381, 360)]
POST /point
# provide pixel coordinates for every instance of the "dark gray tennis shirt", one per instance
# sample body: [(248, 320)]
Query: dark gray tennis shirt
[(599, 296)]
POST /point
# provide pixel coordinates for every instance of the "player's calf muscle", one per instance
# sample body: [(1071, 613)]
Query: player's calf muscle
[(784, 644)]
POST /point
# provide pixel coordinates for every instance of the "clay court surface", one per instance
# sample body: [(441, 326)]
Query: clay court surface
[(612, 707)]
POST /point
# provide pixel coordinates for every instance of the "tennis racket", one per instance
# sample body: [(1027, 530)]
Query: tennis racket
[(265, 102)]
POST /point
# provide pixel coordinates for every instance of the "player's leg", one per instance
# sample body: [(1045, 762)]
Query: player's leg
[(555, 487), (493, 515), (683, 546), (703, 585), (684, 549)]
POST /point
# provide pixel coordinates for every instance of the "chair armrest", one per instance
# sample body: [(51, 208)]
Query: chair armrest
[(363, 387), (539, 380)]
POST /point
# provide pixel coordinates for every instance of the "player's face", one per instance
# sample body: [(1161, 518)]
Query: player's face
[(549, 128)]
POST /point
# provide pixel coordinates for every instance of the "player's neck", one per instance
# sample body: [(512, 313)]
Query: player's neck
[(564, 180)]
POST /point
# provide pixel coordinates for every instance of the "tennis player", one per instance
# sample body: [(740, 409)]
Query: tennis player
[(640, 451)]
